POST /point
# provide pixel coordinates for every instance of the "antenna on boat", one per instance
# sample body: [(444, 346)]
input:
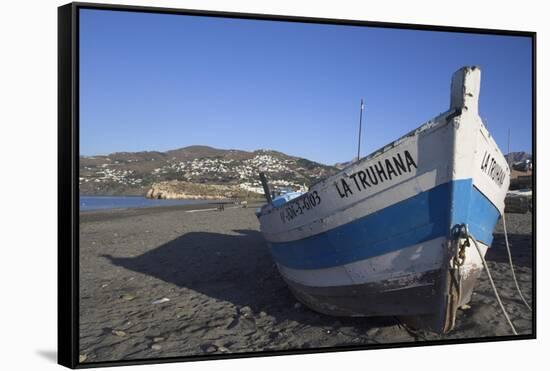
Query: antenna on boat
[(508, 157), (360, 123)]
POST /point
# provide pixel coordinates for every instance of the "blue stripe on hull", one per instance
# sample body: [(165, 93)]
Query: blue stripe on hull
[(421, 218), (471, 207)]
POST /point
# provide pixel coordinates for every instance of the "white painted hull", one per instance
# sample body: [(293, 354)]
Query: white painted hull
[(379, 231)]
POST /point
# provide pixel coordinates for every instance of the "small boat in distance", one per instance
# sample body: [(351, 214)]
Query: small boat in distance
[(384, 236)]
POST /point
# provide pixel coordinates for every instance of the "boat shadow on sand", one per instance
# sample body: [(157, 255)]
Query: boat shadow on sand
[(236, 268)]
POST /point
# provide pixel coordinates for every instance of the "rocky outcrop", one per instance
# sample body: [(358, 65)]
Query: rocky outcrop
[(174, 189)]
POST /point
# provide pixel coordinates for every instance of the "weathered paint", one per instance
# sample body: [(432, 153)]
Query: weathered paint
[(409, 295), (421, 257)]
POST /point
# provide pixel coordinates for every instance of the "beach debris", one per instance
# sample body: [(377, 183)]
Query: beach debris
[(372, 331), (209, 348), (158, 339), (223, 350), (82, 358), (244, 324), (465, 307), (233, 323), (118, 333), (328, 332), (104, 285), (156, 347), (245, 311), (128, 297), (248, 326), (160, 301)]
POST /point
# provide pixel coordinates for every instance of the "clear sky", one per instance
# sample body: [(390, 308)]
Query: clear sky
[(160, 82)]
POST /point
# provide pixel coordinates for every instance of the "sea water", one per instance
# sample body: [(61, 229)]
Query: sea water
[(122, 202)]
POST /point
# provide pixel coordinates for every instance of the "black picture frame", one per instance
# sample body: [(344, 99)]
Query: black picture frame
[(68, 168)]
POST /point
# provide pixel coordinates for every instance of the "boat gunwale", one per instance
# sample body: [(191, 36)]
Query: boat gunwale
[(439, 120)]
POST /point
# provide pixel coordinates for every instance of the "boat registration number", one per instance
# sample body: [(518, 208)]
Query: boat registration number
[(298, 207)]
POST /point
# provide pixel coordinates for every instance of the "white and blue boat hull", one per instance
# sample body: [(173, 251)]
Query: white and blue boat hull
[(377, 238)]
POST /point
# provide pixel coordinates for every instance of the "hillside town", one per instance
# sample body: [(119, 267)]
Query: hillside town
[(137, 174)]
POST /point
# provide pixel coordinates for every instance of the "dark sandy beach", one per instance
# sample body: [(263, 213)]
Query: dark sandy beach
[(164, 282)]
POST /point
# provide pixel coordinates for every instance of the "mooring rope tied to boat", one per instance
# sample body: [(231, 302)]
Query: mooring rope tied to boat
[(490, 278), (457, 262), (512, 265)]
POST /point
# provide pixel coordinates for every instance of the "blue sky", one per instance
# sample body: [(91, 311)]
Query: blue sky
[(160, 82)]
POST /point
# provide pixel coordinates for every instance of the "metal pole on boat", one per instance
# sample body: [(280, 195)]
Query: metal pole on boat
[(508, 157), (360, 122), (267, 194)]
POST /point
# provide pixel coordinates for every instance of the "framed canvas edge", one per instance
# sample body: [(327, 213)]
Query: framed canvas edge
[(68, 165), (67, 190)]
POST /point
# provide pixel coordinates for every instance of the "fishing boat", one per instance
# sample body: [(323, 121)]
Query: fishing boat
[(389, 234)]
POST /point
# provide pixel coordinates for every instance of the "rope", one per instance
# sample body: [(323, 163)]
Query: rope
[(491, 280), (511, 264)]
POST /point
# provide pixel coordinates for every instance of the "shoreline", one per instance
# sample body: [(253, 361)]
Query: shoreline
[(110, 214), (155, 204)]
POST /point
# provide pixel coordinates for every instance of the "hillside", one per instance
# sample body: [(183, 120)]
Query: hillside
[(517, 157), (134, 173), (341, 165)]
